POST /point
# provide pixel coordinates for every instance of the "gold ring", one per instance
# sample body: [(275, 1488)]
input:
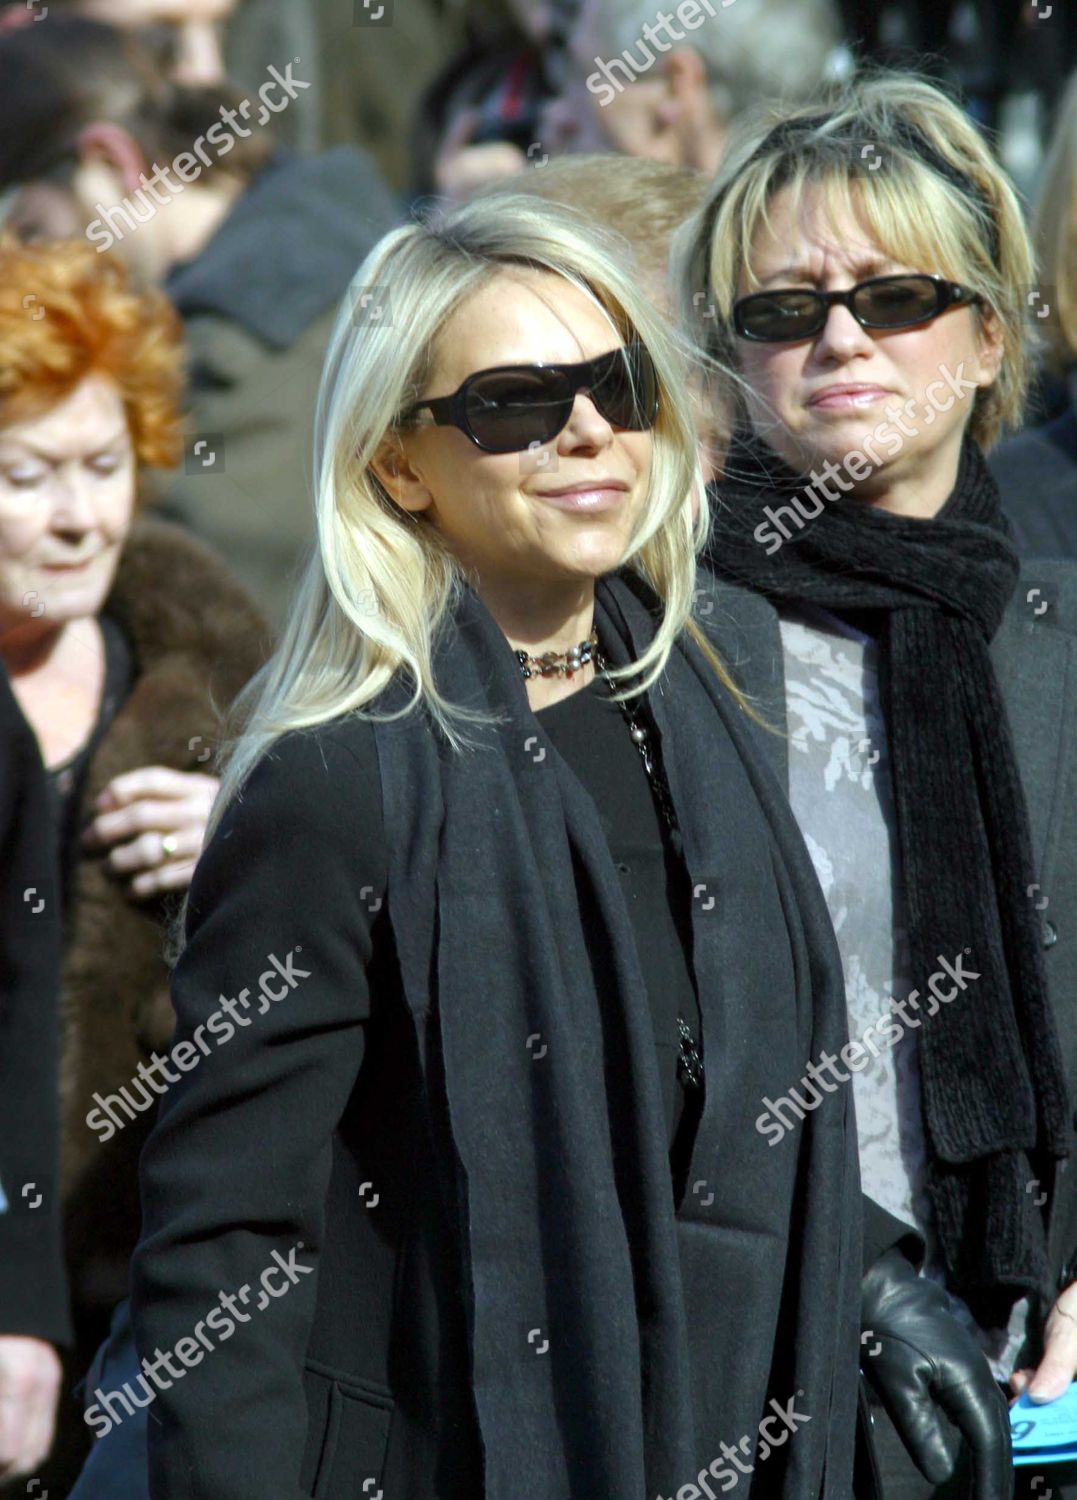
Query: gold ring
[(169, 844)]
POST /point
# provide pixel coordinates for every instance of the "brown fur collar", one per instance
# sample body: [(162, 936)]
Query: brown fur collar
[(195, 639)]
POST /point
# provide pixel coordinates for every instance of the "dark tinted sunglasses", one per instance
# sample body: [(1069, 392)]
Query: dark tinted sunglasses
[(783, 316), (514, 407)]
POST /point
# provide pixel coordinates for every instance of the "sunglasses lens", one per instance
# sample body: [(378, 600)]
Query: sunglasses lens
[(625, 388), (897, 302), (508, 411), (778, 316)]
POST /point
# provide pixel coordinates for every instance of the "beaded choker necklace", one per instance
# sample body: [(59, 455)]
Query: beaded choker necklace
[(551, 662)]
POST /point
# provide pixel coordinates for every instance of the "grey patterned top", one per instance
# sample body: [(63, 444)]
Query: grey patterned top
[(840, 790)]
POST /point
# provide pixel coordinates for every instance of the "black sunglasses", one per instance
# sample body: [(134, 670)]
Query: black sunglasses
[(514, 407), (785, 315)]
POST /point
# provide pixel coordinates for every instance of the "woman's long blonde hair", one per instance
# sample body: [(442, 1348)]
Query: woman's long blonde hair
[(377, 587)]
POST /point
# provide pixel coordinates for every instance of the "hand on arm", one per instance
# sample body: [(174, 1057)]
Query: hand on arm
[(139, 809)]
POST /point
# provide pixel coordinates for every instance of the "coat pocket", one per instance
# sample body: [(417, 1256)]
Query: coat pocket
[(356, 1435)]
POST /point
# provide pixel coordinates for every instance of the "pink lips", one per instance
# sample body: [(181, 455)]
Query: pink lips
[(598, 494), (848, 397)]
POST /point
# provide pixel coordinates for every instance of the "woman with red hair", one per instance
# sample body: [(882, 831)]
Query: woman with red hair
[(121, 639)]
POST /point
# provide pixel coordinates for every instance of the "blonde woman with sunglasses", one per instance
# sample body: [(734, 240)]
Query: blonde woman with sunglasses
[(500, 936), (867, 272)]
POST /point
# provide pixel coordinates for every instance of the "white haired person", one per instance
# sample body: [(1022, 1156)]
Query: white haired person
[(668, 85), (865, 267), (485, 971)]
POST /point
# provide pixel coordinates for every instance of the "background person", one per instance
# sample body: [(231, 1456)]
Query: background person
[(894, 636), (1007, 59), (121, 639), (642, 200), (674, 97), (203, 43), (187, 35), (477, 121), (254, 252), (1037, 467), (35, 1318)]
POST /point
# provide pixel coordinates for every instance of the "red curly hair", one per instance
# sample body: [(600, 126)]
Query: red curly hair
[(66, 312)]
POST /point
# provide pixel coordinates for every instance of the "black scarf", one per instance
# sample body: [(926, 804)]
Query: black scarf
[(993, 1085), (616, 1343)]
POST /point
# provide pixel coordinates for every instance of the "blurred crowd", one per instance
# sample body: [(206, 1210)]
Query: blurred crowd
[(378, 111), (186, 190)]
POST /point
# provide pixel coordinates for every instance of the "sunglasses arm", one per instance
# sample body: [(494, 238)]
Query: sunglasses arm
[(438, 413)]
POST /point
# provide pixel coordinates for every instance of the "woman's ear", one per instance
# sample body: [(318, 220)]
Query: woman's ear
[(398, 476), (112, 147), (685, 73), (992, 344)]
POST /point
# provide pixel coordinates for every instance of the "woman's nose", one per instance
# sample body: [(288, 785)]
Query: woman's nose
[(73, 509), (841, 335), (586, 426)]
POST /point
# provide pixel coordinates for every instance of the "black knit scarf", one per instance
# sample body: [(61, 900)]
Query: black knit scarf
[(993, 1086), (616, 1342)]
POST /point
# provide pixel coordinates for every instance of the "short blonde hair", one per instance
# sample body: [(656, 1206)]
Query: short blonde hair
[(1055, 233), (897, 154)]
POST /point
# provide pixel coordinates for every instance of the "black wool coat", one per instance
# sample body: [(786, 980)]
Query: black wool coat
[(301, 1134), (33, 1284), (87, 1004)]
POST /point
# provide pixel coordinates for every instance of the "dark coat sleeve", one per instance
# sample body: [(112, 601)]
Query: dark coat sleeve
[(33, 1283), (1037, 473), (883, 1232), (236, 1170)]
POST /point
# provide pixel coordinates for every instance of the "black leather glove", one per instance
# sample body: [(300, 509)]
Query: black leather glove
[(921, 1361)]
